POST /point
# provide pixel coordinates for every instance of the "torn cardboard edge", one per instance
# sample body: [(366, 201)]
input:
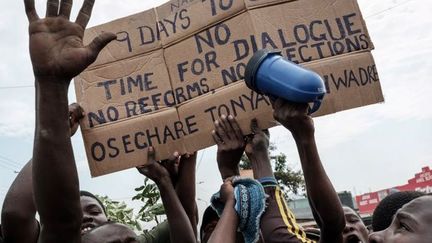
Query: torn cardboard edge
[(212, 23)]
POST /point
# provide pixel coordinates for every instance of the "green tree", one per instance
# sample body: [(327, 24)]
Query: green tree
[(290, 181), (152, 209), (119, 212), (149, 195)]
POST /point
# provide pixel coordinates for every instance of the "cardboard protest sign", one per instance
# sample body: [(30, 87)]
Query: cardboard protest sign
[(175, 69)]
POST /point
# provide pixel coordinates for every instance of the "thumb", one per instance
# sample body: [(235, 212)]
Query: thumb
[(99, 43)]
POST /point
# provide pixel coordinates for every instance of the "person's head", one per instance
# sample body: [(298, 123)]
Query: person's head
[(110, 232), (412, 223), (355, 230), (94, 213), (208, 225), (387, 208), (209, 222)]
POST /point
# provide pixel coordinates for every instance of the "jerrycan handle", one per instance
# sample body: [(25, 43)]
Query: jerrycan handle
[(315, 107)]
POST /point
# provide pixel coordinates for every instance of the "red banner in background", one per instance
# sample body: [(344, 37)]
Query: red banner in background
[(421, 182)]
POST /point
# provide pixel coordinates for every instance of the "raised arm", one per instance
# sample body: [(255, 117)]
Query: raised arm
[(19, 211), (230, 143), (257, 150), (322, 196), (180, 227), (185, 188), (57, 55), (226, 228)]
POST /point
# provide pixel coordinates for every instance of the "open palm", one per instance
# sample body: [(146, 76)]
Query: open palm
[(56, 46)]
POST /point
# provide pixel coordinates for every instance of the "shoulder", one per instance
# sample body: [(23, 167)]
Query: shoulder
[(159, 234)]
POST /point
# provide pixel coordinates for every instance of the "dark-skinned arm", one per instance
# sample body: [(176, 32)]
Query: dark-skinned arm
[(185, 188), (322, 196), (230, 143), (57, 55), (226, 228), (19, 211), (180, 227), (257, 150)]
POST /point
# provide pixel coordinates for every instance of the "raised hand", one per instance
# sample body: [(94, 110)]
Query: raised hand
[(294, 117), (172, 166), (257, 150), (180, 227), (76, 113), (258, 141), (227, 191), (230, 142), (153, 169), (56, 44)]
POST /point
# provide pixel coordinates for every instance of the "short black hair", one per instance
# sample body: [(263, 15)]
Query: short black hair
[(89, 194), (383, 215), (209, 215)]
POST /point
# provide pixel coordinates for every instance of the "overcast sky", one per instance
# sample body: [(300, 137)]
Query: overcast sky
[(363, 150)]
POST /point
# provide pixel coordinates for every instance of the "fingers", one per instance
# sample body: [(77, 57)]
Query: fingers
[(171, 165), (254, 126), (174, 157), (216, 138), (142, 169), (226, 127), (151, 155), (52, 8), (85, 13), (65, 8), (236, 128), (278, 103), (172, 161), (221, 131), (30, 10), (76, 112), (98, 44), (303, 108), (267, 132)]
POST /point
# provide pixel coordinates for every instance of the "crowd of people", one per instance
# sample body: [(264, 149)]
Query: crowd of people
[(244, 210)]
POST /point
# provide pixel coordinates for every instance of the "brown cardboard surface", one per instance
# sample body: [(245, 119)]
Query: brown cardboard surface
[(180, 18), (311, 30), (124, 89), (177, 80), (217, 56), (352, 82), (237, 100), (210, 55), (136, 34), (124, 145)]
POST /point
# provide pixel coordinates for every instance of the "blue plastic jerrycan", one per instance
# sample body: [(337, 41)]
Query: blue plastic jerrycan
[(268, 73)]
